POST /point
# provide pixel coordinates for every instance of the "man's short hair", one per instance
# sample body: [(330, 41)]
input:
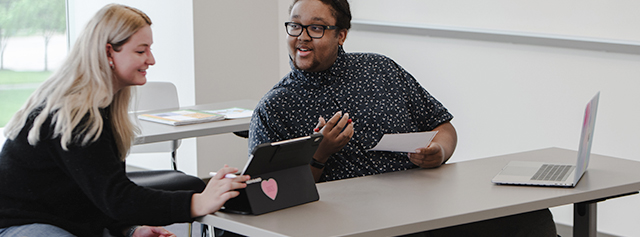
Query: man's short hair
[(339, 9)]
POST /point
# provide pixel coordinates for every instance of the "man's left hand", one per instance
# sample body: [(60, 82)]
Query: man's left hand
[(431, 156)]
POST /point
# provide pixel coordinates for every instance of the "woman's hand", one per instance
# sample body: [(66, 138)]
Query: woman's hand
[(152, 231), (218, 191)]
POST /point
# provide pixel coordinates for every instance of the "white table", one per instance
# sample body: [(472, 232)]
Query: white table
[(424, 199), (157, 132)]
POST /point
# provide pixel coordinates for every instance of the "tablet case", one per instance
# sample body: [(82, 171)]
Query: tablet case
[(280, 177)]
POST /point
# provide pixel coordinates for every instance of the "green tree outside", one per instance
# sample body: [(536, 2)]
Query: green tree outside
[(9, 25), (42, 17), (26, 18)]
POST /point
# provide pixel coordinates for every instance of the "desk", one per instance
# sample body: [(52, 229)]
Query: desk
[(156, 132), (423, 199)]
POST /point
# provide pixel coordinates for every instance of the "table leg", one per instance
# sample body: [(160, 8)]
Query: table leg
[(584, 219), (174, 153)]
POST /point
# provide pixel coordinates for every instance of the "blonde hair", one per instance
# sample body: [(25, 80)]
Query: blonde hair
[(84, 84)]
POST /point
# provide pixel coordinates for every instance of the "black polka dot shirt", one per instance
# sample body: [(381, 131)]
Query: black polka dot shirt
[(379, 95)]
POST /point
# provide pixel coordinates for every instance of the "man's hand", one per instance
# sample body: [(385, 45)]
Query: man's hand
[(440, 149), (431, 156), (337, 132)]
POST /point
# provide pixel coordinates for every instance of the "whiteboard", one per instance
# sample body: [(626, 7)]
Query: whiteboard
[(602, 19)]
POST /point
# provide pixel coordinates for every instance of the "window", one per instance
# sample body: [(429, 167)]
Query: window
[(33, 43)]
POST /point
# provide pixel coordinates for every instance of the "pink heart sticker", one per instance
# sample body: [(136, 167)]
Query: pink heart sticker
[(270, 188)]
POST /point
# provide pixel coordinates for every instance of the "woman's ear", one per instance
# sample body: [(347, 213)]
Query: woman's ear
[(109, 49)]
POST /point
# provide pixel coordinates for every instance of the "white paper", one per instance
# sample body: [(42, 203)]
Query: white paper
[(233, 113), (404, 142)]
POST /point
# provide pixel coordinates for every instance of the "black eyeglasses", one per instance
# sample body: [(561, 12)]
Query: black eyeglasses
[(313, 30)]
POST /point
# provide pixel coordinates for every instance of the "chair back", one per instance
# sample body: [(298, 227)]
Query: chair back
[(155, 96)]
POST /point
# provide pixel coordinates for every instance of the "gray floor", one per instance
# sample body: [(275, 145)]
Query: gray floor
[(182, 229), (567, 231)]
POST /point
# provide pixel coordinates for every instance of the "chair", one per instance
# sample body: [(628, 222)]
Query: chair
[(156, 96), (158, 179), (242, 134)]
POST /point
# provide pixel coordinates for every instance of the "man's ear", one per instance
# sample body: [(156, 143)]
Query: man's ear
[(342, 36)]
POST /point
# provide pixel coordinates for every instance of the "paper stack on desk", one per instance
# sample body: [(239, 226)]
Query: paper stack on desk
[(233, 113), (404, 142)]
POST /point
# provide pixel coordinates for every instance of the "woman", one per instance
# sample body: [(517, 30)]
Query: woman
[(62, 169)]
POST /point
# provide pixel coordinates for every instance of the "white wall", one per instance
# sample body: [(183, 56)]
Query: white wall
[(236, 57), (509, 98)]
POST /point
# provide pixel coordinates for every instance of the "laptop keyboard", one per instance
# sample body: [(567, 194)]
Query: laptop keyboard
[(550, 172)]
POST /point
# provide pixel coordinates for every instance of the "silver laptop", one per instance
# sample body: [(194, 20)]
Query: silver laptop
[(548, 174)]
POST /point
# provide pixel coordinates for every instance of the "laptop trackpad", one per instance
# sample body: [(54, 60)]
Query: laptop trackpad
[(520, 170)]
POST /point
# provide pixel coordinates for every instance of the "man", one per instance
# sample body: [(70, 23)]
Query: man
[(363, 96), (327, 82)]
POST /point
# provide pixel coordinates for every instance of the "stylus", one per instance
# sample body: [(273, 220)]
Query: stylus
[(228, 176)]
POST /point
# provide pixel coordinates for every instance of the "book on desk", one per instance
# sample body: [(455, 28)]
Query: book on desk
[(182, 117)]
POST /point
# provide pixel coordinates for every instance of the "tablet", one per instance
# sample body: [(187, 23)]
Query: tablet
[(280, 177), (270, 157)]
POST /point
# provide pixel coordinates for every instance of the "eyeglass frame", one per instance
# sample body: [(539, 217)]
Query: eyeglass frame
[(304, 28)]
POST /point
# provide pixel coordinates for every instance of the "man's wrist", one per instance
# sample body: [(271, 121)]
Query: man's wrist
[(317, 164)]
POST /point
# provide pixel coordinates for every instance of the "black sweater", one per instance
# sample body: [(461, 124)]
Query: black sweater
[(83, 190)]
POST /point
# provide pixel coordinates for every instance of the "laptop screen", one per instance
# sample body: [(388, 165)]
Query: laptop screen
[(587, 135)]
